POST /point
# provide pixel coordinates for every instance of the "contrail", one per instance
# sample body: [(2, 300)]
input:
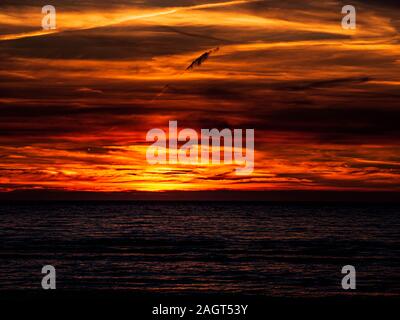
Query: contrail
[(199, 61), (195, 63), (26, 35), (127, 19)]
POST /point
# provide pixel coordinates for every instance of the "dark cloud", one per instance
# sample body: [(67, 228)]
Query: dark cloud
[(324, 103), (379, 3), (328, 83)]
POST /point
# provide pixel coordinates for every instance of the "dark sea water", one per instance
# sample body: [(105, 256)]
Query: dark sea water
[(248, 248)]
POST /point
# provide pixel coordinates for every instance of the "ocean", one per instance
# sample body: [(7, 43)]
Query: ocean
[(268, 249)]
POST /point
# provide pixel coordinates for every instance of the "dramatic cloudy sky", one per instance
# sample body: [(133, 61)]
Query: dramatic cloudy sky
[(76, 104)]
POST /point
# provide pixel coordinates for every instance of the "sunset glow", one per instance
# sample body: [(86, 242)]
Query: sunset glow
[(76, 103)]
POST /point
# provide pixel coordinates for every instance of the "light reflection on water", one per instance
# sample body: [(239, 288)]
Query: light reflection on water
[(271, 249)]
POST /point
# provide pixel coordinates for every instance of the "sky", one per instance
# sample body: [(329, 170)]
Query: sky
[(76, 103)]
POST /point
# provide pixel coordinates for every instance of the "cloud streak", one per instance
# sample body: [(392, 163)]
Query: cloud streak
[(74, 105), (124, 18)]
